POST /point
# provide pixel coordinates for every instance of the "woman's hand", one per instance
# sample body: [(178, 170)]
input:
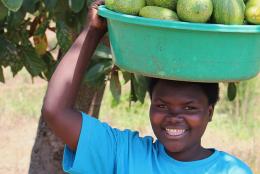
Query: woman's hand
[(94, 21)]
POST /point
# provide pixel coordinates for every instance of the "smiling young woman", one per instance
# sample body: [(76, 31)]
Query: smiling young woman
[(179, 114)]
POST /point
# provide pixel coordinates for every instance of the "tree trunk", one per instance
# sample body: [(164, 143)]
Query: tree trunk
[(47, 152)]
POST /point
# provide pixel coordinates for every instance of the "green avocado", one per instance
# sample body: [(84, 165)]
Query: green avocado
[(149, 3), (158, 13), (3, 11), (253, 14), (252, 3), (198, 11), (170, 4), (231, 12), (131, 7)]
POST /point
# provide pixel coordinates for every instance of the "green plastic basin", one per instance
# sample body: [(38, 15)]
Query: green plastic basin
[(183, 51)]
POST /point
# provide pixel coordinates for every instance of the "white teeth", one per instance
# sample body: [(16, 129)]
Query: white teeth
[(175, 132)]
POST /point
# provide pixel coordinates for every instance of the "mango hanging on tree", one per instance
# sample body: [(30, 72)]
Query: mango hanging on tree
[(41, 44)]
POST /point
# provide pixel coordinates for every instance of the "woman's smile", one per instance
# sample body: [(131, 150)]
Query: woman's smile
[(175, 133)]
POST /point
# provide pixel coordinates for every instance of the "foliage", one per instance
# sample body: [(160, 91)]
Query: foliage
[(243, 105), (246, 100), (24, 42), (231, 91)]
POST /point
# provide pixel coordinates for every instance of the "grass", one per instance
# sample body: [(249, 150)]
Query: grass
[(16, 101), (123, 116), (20, 98)]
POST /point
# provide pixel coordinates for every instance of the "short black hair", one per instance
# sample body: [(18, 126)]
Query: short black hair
[(211, 90)]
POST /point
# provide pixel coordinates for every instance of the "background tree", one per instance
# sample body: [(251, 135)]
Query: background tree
[(24, 43)]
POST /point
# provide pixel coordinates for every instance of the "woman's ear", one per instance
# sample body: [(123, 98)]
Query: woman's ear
[(211, 111)]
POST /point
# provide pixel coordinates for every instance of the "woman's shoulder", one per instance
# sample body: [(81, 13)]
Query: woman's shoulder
[(98, 128), (233, 164)]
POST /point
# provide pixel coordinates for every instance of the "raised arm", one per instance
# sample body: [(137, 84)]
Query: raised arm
[(58, 107)]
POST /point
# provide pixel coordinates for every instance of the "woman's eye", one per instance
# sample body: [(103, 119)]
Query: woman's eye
[(162, 106), (189, 108)]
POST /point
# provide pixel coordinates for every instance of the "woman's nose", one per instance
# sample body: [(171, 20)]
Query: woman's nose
[(175, 113)]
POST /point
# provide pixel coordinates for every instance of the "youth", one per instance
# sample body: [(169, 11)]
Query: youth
[(179, 114)]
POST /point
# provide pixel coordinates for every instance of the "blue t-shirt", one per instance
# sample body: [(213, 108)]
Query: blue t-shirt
[(105, 150)]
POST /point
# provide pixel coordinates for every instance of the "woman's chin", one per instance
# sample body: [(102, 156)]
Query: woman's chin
[(174, 148)]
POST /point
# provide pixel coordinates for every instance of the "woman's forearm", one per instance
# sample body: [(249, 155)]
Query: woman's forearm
[(65, 82), (58, 106)]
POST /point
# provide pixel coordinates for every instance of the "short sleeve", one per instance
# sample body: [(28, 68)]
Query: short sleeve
[(231, 164), (95, 151)]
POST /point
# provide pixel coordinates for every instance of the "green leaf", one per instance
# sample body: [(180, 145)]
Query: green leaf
[(3, 11), (2, 79), (30, 5), (13, 5), (15, 20), (126, 76), (50, 4), (71, 19), (42, 28), (76, 21), (115, 86), (108, 65), (133, 96), (97, 72), (61, 10), (16, 67), (82, 17), (9, 56), (8, 52), (64, 36), (51, 65), (89, 2), (103, 51), (140, 86), (232, 91), (32, 62), (76, 5)]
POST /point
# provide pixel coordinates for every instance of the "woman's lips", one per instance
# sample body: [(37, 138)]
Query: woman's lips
[(175, 133)]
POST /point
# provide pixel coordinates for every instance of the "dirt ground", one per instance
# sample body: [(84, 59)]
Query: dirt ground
[(20, 101), (17, 138)]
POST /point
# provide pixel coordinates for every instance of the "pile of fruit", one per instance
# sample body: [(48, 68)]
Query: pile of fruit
[(229, 12)]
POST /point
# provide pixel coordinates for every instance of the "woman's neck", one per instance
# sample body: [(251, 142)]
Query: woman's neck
[(192, 154)]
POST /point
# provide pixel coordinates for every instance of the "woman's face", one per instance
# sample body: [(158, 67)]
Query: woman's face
[(179, 115)]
